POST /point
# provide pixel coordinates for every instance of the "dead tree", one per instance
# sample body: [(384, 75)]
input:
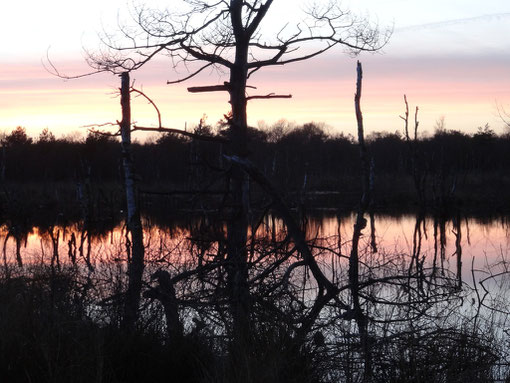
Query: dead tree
[(136, 263), (227, 36), (360, 224), (417, 171)]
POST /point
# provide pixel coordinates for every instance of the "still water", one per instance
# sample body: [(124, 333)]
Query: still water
[(467, 242), (434, 274)]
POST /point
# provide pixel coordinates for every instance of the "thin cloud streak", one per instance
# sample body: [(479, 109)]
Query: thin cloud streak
[(447, 23)]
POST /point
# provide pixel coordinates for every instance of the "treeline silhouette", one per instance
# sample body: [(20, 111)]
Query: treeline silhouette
[(302, 158)]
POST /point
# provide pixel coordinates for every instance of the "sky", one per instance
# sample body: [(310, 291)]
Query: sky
[(450, 57)]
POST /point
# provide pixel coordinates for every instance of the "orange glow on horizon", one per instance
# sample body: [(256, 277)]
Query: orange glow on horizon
[(31, 97)]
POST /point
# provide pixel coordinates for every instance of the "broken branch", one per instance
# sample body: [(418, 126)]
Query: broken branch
[(268, 96)]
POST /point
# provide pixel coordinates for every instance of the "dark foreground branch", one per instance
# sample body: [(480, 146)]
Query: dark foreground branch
[(299, 241), (208, 88), (268, 96), (201, 137)]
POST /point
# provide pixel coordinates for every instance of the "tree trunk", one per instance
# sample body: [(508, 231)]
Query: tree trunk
[(237, 225), (134, 225), (165, 293), (361, 222), (2, 166), (237, 271)]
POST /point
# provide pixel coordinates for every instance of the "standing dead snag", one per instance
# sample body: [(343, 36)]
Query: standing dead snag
[(134, 243), (419, 179), (134, 225), (418, 174), (365, 170), (354, 282)]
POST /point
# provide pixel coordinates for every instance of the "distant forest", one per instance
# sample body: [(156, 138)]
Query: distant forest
[(300, 159)]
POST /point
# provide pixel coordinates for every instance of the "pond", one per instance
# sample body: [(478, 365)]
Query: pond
[(460, 245), (418, 276)]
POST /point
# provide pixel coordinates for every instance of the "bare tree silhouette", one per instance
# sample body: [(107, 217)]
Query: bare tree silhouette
[(230, 36)]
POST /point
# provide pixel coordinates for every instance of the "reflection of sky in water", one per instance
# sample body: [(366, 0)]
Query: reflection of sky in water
[(486, 242)]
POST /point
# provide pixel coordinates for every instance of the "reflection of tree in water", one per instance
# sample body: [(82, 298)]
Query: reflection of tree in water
[(403, 304), (457, 232), (20, 235)]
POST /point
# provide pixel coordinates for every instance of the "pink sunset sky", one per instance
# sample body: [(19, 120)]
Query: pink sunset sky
[(451, 58)]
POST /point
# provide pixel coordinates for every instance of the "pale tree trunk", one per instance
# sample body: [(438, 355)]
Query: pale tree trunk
[(361, 222), (134, 225)]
